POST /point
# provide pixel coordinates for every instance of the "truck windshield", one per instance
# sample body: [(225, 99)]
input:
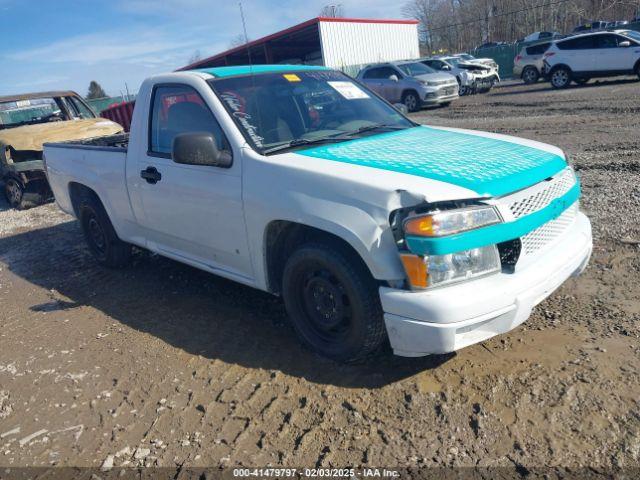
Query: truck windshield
[(276, 111), (29, 111)]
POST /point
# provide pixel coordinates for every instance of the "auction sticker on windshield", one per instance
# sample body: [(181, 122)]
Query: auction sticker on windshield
[(348, 90)]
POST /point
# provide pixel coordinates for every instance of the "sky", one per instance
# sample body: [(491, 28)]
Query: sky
[(64, 44)]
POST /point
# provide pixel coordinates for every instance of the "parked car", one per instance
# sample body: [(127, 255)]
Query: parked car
[(410, 83), (472, 78), (617, 25), (598, 54), (492, 44), (29, 120), (489, 62), (529, 63), (299, 181), (587, 27), (537, 36)]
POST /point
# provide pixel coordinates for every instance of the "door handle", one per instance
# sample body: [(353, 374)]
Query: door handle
[(151, 175)]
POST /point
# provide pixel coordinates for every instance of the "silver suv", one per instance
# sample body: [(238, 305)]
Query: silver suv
[(411, 83), (529, 63)]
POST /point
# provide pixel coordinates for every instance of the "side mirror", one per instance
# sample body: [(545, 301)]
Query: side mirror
[(394, 78), (446, 68), (199, 148), (401, 107), (624, 44)]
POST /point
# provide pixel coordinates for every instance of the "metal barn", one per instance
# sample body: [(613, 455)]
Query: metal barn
[(346, 44)]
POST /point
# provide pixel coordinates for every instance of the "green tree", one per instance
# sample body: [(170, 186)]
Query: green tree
[(95, 91)]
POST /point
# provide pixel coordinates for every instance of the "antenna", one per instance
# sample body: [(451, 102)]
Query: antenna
[(253, 78), (246, 37)]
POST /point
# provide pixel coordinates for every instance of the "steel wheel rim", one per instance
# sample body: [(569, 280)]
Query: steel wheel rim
[(14, 191), (326, 305), (97, 234)]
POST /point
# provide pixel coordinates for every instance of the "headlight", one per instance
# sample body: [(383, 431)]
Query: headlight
[(448, 222), (436, 270)]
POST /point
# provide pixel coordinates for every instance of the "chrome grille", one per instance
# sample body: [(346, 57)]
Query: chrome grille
[(553, 189), (541, 236)]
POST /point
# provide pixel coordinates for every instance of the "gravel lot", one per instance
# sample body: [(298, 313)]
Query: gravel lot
[(163, 365)]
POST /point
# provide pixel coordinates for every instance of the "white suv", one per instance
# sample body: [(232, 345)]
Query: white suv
[(599, 54)]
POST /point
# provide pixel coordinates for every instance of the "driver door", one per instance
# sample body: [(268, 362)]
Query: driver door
[(191, 212)]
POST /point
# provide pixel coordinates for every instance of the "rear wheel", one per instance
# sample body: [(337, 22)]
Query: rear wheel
[(638, 70), (333, 302), (560, 77), (100, 235), (530, 75), (411, 101)]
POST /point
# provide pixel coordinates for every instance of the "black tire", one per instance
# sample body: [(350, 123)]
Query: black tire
[(530, 75), (14, 192), (411, 101), (637, 70), (581, 81), (333, 302), (20, 196), (100, 236), (560, 77)]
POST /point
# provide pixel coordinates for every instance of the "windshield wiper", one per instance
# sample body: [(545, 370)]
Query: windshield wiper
[(299, 142), (375, 126)]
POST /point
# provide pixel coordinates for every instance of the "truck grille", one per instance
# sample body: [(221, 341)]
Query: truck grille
[(535, 198), (553, 189), (541, 236)]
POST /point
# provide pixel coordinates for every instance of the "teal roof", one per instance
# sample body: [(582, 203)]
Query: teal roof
[(222, 72)]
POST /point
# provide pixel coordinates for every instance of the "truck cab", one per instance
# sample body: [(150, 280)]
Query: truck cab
[(302, 182)]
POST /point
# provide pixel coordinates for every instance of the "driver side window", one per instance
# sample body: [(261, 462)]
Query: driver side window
[(180, 109)]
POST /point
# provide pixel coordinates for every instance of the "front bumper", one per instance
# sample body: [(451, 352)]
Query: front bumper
[(440, 95), (450, 318)]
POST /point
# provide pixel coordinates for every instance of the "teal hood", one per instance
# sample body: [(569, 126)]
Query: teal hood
[(489, 166)]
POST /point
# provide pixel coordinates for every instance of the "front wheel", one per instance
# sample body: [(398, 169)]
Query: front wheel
[(333, 302), (560, 77), (530, 75), (411, 101), (14, 192)]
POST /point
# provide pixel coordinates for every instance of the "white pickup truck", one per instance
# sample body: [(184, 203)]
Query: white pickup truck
[(299, 181)]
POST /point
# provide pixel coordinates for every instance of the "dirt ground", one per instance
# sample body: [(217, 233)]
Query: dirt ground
[(163, 365)]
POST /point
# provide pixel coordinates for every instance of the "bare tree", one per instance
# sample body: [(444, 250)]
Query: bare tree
[(448, 25), (195, 57), (238, 40), (332, 11)]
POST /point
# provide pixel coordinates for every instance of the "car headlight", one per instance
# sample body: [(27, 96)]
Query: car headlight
[(437, 270), (425, 271), (448, 222)]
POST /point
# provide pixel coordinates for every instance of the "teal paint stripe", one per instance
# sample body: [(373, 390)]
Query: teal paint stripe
[(487, 166), (222, 72), (493, 234)]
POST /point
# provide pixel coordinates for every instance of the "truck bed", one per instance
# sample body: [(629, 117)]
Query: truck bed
[(118, 142)]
